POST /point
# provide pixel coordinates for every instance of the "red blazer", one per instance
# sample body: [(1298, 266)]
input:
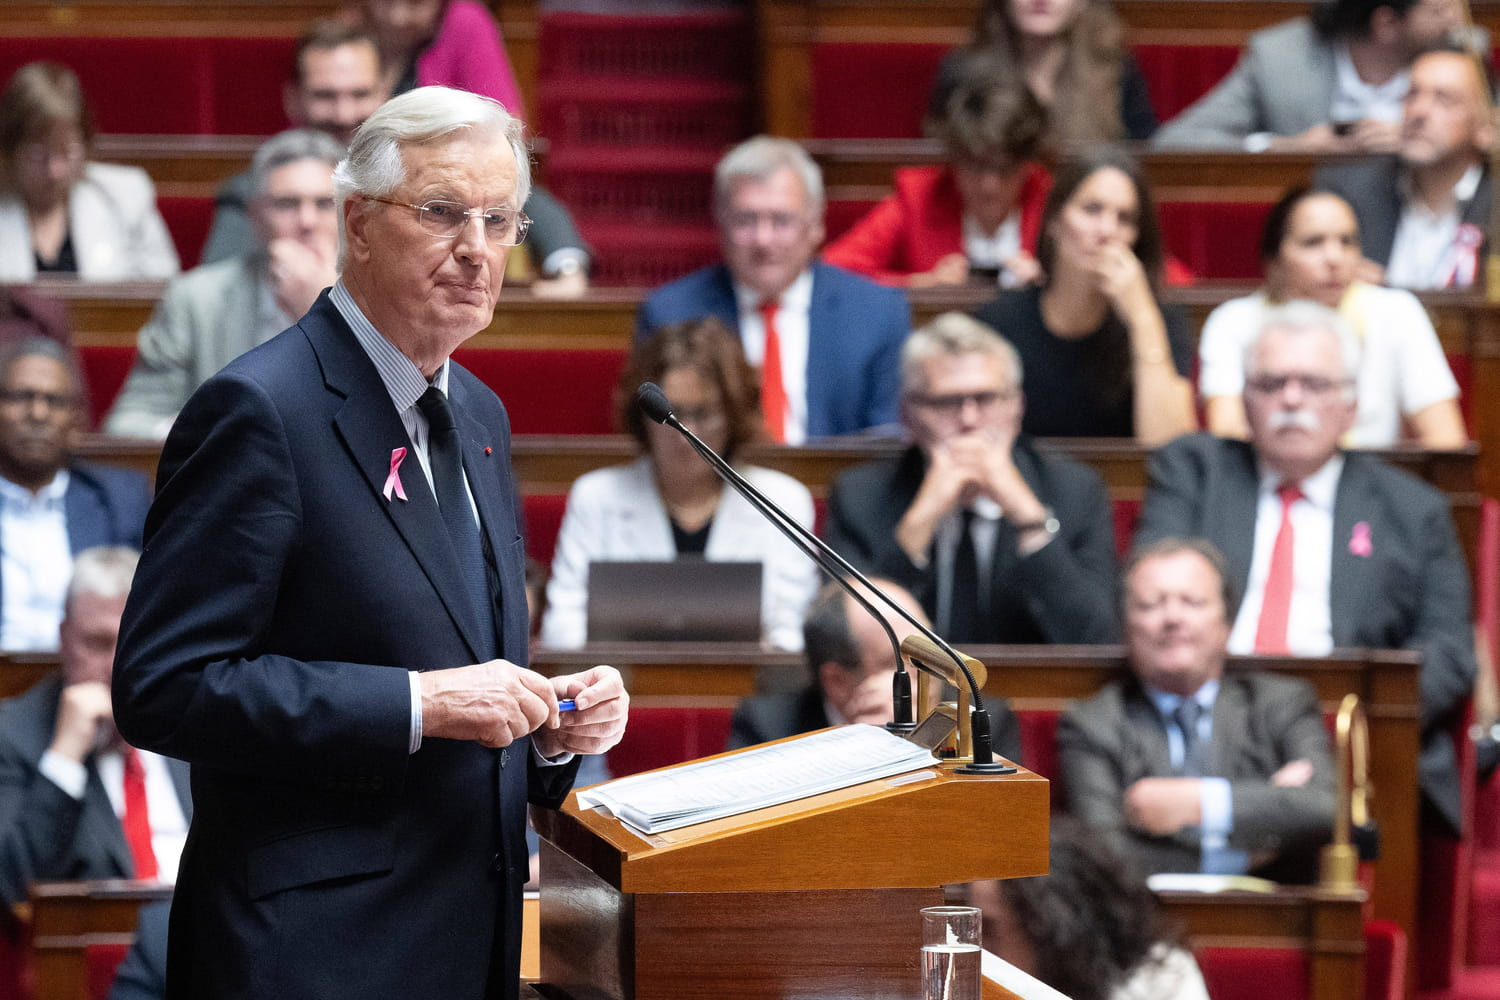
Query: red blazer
[(922, 222)]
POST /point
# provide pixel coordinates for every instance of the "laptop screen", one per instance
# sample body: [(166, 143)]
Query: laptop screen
[(676, 600)]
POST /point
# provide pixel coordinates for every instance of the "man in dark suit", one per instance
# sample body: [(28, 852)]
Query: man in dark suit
[(329, 620), (1328, 548), (826, 340), (1424, 212), (69, 786), (1187, 767), (849, 655), (51, 508), (999, 542)]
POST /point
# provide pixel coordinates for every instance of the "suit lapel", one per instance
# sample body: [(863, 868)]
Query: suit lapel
[(1156, 754), (1235, 513), (1350, 573), (370, 430)]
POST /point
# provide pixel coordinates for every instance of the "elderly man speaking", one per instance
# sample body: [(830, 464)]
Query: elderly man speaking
[(329, 619)]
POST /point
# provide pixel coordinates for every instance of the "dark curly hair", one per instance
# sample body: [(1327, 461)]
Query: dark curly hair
[(1092, 921), (708, 347)]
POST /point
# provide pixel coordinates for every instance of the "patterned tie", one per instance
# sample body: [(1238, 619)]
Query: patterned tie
[(1276, 603), (137, 820), (964, 613), (772, 392), (453, 502), (1186, 715)]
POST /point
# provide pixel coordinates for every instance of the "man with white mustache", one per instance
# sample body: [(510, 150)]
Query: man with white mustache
[(1328, 548)]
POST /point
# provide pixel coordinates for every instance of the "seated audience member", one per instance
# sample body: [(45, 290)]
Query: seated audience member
[(337, 85), (1331, 82), (214, 313), (1089, 928), (669, 503), (850, 658), (76, 802), (1424, 211), (981, 212), (1103, 357), (1073, 57), (1187, 767), (826, 341), (60, 213), (1329, 548), (1310, 251), (452, 43), (51, 508), (999, 542)]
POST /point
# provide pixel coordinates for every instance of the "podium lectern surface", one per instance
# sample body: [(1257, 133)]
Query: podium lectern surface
[(813, 898)]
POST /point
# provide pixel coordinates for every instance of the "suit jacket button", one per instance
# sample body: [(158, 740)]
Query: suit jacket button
[(497, 864), (504, 756)]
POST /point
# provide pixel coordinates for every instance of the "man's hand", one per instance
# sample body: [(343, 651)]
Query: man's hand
[(494, 703), (1320, 138), (298, 274), (598, 720), (1293, 774), (870, 700), (85, 718), (1369, 135), (1163, 806)]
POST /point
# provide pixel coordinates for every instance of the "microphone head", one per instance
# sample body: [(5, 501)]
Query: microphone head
[(653, 402)]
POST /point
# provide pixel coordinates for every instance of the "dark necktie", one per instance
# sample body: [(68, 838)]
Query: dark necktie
[(1186, 715), (964, 615), (453, 501)]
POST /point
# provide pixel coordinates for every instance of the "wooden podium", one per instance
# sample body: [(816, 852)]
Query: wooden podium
[(809, 899)]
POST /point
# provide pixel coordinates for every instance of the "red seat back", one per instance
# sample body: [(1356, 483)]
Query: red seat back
[(872, 90), (549, 391), (662, 736), (104, 367), (543, 513), (1255, 973)]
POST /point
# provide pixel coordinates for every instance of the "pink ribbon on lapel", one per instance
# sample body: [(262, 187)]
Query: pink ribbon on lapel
[(393, 481), (1359, 541)]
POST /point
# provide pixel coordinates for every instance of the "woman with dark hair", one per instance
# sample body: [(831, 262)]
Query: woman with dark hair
[(59, 213), (1072, 57), (1090, 929), (1309, 249), (978, 214), (1102, 357), (669, 503), (454, 43)]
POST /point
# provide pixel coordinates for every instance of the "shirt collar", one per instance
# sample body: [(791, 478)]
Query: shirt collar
[(798, 295), (1463, 191), (51, 495), (1166, 702), (1319, 488), (1350, 83), (403, 380)]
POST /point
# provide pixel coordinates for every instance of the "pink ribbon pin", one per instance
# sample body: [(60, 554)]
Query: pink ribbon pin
[(393, 481), (1359, 541)]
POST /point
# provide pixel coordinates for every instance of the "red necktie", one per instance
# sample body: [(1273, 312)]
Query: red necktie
[(772, 392), (137, 821), (1276, 603)]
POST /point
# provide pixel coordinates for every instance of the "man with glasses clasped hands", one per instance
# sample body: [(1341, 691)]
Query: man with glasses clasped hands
[(1326, 548), (1000, 543)]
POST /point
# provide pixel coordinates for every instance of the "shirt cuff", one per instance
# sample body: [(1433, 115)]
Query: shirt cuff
[(69, 775), (414, 743), (563, 758), (1217, 804), (557, 258), (1257, 142)]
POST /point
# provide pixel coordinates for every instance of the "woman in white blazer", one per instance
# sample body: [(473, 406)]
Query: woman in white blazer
[(58, 212), (669, 504)]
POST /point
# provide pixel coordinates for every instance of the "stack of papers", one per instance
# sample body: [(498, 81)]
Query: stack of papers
[(765, 776)]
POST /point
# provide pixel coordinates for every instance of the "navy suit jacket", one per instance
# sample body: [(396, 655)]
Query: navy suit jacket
[(104, 506), (280, 602), (855, 332), (1410, 590), (1372, 187), (45, 833)]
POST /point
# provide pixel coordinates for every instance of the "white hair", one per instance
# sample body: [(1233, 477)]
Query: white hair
[(373, 166), (104, 570), (1302, 317), (953, 334), (759, 158)]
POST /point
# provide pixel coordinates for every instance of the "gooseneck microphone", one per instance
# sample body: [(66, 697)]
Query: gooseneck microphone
[(653, 403)]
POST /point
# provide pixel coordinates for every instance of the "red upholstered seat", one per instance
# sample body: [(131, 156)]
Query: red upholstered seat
[(550, 392), (1216, 240), (188, 220), (104, 370), (662, 736), (1177, 75), (863, 90), (1255, 973), (1039, 749), (543, 513), (179, 86)]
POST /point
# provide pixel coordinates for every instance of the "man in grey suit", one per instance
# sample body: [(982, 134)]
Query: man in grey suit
[(65, 776), (1424, 211), (1329, 83), (214, 313), (1188, 767), (1328, 548)]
